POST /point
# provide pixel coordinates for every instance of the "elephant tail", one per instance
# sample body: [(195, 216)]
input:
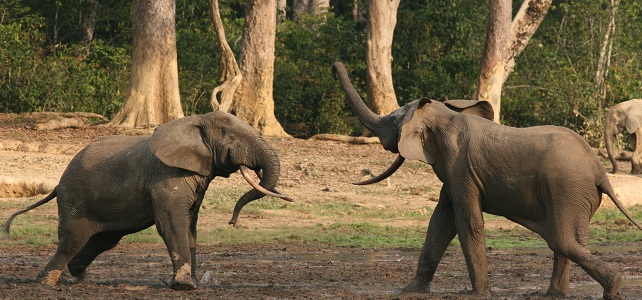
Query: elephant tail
[(4, 229), (605, 187)]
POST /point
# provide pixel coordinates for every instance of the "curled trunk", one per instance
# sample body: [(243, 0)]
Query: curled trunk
[(267, 161)]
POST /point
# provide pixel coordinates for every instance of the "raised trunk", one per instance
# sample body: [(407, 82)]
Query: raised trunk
[(381, 126), (266, 161), (610, 140)]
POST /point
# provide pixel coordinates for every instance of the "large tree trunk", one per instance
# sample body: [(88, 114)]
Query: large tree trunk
[(254, 101), (152, 97), (604, 59), (505, 40), (382, 18), (494, 56), (281, 10), (231, 76)]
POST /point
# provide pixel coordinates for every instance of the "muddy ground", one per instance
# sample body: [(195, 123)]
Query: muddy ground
[(33, 160)]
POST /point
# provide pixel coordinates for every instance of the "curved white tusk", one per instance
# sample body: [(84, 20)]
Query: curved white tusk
[(246, 174), (393, 167)]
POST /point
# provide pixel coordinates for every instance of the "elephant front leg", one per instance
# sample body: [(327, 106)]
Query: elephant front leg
[(441, 230), (174, 229), (470, 229)]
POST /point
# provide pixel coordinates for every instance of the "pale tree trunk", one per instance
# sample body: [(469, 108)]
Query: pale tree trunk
[(318, 7), (88, 23), (231, 74), (281, 10), (254, 101), (355, 10), (382, 18), (152, 96), (605, 56), (505, 40), (300, 7)]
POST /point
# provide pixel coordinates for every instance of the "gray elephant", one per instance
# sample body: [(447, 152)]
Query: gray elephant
[(545, 178), (627, 116), (120, 185)]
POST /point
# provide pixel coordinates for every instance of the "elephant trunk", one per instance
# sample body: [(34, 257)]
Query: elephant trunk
[(267, 162), (610, 140), (382, 126)]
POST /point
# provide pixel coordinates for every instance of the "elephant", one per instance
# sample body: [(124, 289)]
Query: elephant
[(546, 178), (627, 116), (119, 185)]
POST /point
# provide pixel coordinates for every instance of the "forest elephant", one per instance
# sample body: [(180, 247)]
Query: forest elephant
[(623, 116), (119, 185), (546, 178)]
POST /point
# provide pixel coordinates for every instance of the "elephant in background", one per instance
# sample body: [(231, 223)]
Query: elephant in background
[(120, 185), (546, 178), (623, 116)]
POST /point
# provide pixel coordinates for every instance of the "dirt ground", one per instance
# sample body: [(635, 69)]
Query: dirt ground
[(33, 160)]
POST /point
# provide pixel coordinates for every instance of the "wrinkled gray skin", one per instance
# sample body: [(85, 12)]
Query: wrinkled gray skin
[(545, 178), (623, 116), (119, 185)]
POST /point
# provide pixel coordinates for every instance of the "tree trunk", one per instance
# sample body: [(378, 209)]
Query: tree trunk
[(87, 23), (605, 56), (300, 7), (281, 10), (254, 102), (152, 97), (505, 40), (231, 76), (382, 18), (318, 7)]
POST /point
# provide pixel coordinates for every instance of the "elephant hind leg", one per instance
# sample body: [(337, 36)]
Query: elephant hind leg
[(70, 241), (560, 278), (566, 245), (97, 244)]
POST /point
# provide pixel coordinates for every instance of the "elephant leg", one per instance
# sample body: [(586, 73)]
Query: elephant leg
[(96, 245), (572, 242), (173, 227), (636, 157), (192, 240), (70, 241), (469, 222), (560, 277), (441, 230)]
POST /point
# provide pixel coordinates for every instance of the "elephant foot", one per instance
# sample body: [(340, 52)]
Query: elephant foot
[(417, 286), (556, 293), (613, 291), (49, 278), (183, 279)]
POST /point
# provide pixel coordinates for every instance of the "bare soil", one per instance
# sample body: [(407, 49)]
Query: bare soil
[(33, 160)]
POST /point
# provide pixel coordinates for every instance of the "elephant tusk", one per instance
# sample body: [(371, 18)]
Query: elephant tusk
[(246, 174), (393, 167)]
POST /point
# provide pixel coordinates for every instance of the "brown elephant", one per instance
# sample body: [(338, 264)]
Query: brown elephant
[(623, 116), (546, 178), (120, 185)]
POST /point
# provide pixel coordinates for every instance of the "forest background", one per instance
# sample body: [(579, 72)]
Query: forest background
[(437, 50)]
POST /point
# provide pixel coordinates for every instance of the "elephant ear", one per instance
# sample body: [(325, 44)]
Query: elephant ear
[(473, 107), (180, 144), (633, 122), (415, 136)]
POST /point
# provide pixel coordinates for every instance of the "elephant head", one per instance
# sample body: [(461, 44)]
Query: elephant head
[(627, 116), (388, 128), (218, 144)]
